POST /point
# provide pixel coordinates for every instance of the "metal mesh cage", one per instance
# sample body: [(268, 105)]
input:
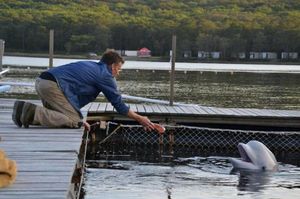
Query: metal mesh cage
[(186, 140)]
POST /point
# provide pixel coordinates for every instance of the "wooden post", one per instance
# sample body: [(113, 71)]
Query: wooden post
[(172, 70), (1, 52), (51, 48)]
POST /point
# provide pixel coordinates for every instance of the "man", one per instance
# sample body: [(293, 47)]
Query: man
[(65, 89)]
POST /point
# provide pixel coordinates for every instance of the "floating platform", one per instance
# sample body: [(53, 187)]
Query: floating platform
[(194, 131), (200, 115)]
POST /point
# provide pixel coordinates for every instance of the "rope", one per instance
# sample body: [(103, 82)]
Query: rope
[(84, 157), (107, 137)]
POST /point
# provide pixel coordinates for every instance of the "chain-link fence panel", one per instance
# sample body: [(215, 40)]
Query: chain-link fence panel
[(187, 140)]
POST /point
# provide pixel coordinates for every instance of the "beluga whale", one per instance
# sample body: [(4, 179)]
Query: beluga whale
[(254, 156)]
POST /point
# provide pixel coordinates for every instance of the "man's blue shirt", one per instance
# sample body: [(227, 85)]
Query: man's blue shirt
[(81, 82)]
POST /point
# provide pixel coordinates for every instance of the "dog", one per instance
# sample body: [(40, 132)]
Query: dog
[(8, 170)]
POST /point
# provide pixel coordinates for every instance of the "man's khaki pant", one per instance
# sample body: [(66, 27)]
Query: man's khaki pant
[(57, 111)]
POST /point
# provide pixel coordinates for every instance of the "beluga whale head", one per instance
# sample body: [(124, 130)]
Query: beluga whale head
[(254, 156)]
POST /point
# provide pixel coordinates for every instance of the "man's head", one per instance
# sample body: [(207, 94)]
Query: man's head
[(113, 60)]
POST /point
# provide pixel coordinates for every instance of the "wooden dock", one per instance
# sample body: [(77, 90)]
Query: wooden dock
[(46, 158), (201, 115)]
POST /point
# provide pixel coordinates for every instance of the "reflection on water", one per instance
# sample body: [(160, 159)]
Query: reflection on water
[(253, 181), (190, 178), (245, 90)]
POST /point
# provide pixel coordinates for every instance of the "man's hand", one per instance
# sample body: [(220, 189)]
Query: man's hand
[(87, 126), (159, 128), (148, 125)]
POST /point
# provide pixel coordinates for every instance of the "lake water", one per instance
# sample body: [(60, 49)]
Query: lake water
[(240, 90), (191, 178), (197, 177)]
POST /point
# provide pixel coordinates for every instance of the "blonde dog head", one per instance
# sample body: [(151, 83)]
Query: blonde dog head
[(8, 170)]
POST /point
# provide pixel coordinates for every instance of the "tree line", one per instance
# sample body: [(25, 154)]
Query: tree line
[(227, 26)]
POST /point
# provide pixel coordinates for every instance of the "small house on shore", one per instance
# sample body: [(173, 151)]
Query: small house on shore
[(289, 55), (263, 55), (144, 52), (211, 55)]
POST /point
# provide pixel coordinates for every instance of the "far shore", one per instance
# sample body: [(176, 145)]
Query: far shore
[(156, 59)]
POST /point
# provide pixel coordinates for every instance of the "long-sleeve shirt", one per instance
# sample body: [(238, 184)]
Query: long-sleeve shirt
[(81, 82)]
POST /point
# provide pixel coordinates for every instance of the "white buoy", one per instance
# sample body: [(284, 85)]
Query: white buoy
[(4, 88)]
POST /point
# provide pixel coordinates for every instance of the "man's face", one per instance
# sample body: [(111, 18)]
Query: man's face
[(116, 68)]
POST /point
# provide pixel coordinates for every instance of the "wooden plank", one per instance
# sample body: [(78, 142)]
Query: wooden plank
[(192, 110), (22, 180), (171, 109), (40, 155), (241, 112), (37, 139), (235, 112), (184, 110), (177, 109), (163, 109), (39, 146), (208, 110), (200, 110), (40, 130), (264, 113), (218, 111), (148, 109), (279, 113), (292, 113), (38, 187), (15, 134), (133, 107), (156, 109), (32, 195), (140, 108), (86, 107), (94, 107), (228, 111), (109, 108), (102, 107)]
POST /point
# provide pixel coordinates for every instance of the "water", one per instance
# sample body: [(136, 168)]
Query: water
[(240, 90), (192, 178), (196, 177)]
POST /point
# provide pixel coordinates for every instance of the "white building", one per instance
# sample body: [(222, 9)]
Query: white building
[(212, 55), (187, 53), (215, 55), (289, 55), (129, 53), (263, 55), (203, 54)]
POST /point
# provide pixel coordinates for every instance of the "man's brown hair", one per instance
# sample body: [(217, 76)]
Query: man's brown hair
[(110, 57)]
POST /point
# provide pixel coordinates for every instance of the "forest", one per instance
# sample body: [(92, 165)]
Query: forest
[(227, 26)]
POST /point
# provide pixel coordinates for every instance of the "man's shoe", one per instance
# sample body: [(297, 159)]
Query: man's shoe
[(17, 112), (28, 112)]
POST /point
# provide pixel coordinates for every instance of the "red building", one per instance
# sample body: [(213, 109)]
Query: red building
[(144, 52)]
